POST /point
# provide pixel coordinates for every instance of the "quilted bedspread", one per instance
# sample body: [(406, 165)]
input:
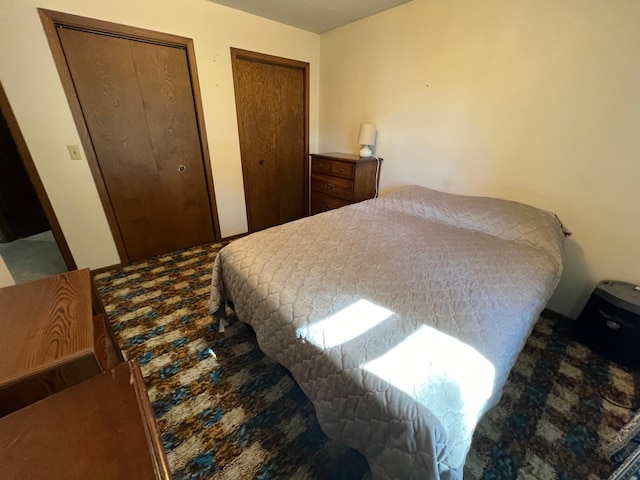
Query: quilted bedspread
[(399, 317)]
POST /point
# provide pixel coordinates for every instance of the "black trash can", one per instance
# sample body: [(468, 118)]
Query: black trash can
[(610, 322)]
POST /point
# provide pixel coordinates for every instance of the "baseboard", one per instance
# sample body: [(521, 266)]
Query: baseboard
[(234, 237), (96, 271), (558, 316)]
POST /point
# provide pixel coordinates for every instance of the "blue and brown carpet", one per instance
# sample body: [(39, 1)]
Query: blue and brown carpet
[(225, 411)]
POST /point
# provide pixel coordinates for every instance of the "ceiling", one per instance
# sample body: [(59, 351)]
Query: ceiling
[(313, 15)]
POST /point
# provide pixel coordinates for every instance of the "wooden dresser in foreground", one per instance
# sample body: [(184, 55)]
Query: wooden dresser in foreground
[(49, 338), (100, 429), (339, 179)]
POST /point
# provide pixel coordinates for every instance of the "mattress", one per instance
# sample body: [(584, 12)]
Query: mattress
[(399, 317)]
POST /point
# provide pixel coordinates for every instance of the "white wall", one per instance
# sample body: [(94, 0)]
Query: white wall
[(32, 84), (537, 102)]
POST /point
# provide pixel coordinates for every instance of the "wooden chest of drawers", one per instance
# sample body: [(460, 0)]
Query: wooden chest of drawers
[(50, 340), (100, 429), (339, 179)]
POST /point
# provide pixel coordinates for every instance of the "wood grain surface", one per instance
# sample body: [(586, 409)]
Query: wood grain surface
[(271, 110), (100, 429), (339, 179), (48, 339), (138, 105), (44, 323)]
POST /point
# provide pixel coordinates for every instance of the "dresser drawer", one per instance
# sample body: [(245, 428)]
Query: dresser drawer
[(338, 187), (321, 202), (333, 167)]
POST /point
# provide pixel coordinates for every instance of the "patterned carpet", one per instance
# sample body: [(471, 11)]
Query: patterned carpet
[(225, 411)]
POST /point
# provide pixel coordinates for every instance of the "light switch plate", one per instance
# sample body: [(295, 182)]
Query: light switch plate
[(74, 152)]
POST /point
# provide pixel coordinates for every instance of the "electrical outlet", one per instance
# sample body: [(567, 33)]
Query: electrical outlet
[(74, 152)]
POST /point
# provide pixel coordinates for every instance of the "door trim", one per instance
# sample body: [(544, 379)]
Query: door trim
[(34, 177), (50, 21), (247, 55)]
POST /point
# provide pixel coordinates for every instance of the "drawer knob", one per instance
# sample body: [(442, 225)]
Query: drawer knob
[(613, 325), (329, 186), (341, 170), (612, 321), (321, 165)]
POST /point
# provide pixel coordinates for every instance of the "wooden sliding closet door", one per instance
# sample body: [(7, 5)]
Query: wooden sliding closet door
[(137, 101)]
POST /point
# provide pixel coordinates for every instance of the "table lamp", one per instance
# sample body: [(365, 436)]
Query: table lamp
[(367, 138)]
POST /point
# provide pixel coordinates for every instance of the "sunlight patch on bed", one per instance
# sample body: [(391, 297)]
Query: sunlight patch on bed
[(345, 325), (447, 376)]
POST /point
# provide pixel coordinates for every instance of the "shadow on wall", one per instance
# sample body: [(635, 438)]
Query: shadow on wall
[(576, 283)]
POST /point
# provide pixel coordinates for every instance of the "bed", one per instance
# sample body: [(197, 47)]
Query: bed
[(400, 317)]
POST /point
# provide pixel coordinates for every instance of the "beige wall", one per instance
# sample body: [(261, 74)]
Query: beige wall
[(533, 101), (34, 90), (5, 276)]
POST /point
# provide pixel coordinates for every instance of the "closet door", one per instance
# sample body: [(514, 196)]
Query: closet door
[(271, 103), (137, 101)]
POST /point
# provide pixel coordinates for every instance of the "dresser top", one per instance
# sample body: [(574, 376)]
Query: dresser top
[(345, 157), (44, 323)]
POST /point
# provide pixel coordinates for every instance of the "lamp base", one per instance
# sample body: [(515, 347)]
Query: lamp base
[(365, 151)]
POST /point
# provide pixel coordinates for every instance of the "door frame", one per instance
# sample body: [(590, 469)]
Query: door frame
[(34, 177), (50, 21), (237, 55)]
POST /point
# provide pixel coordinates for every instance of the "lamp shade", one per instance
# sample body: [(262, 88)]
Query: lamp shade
[(367, 135)]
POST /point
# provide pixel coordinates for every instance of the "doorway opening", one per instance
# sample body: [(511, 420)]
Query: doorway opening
[(32, 245)]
